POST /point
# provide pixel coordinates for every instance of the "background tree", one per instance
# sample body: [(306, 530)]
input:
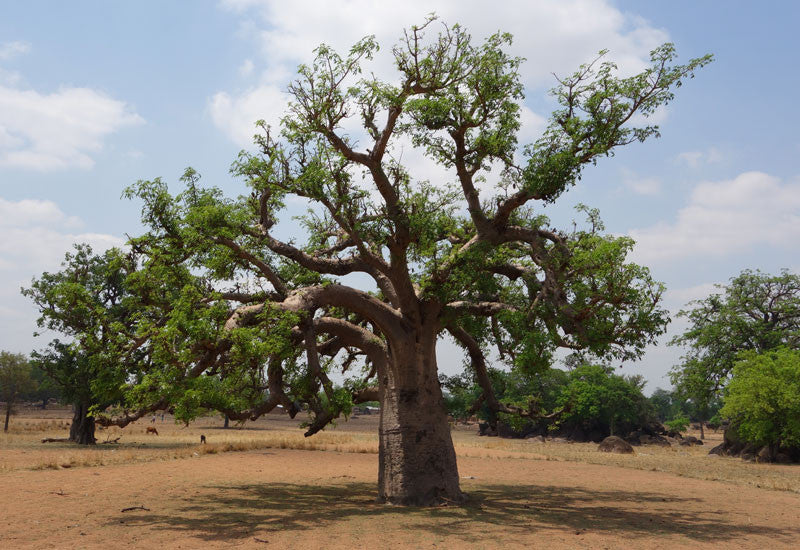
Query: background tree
[(763, 398), (15, 380), (46, 388), (107, 306), (443, 258), (673, 404), (602, 401), (755, 312), (86, 302), (663, 404)]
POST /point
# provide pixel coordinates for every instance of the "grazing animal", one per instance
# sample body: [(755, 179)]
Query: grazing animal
[(152, 430), (203, 439)]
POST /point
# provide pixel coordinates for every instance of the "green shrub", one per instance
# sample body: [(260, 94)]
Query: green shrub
[(597, 397), (677, 424), (763, 398)]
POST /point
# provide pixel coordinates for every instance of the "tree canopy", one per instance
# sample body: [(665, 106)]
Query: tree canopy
[(224, 303), (755, 312), (763, 398), (88, 304)]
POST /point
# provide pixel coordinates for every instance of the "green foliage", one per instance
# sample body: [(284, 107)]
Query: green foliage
[(663, 403), (597, 397), (763, 397), (87, 302), (460, 392), (15, 377), (594, 396), (754, 312), (672, 404), (678, 424), (46, 388), (210, 310)]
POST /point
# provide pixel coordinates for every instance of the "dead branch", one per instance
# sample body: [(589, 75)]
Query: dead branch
[(135, 508)]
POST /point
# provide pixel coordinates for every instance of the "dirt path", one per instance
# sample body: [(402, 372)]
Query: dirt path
[(315, 499)]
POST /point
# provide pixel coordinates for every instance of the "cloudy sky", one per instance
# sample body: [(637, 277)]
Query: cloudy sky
[(96, 95)]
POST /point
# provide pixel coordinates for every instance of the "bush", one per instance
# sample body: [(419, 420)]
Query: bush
[(763, 398), (605, 401), (597, 399), (677, 424)]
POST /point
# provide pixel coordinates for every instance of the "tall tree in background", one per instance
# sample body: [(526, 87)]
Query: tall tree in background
[(46, 388), (15, 380), (86, 302), (443, 258), (756, 312)]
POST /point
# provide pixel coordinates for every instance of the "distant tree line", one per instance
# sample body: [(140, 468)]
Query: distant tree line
[(589, 400)]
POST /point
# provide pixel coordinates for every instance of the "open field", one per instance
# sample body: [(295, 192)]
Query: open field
[(319, 492)]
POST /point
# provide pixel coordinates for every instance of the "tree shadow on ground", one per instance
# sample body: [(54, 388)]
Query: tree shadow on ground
[(238, 512)]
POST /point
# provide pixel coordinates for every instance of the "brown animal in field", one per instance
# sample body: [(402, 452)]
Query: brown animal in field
[(203, 439), (151, 430)]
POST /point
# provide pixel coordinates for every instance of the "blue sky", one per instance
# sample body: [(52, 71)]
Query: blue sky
[(96, 95)]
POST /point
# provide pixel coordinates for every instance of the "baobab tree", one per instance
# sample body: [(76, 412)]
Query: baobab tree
[(442, 257)]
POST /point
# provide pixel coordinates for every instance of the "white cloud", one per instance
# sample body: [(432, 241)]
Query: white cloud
[(247, 68), (57, 130), (695, 159), (37, 233), (9, 50), (641, 185), (754, 209), (676, 299), (31, 212), (35, 236), (553, 36), (236, 114)]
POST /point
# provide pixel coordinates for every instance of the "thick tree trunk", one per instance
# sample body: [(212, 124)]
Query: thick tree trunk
[(82, 429), (227, 423), (8, 415), (417, 461)]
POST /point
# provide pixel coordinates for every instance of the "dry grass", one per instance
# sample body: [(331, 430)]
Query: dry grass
[(691, 462), (23, 450)]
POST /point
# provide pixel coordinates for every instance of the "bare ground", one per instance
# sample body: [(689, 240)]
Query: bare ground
[(318, 499), (522, 494)]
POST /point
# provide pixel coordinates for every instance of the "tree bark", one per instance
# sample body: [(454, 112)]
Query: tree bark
[(227, 423), (417, 461), (82, 429), (8, 415)]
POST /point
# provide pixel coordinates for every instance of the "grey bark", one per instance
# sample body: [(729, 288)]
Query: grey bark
[(417, 461), (82, 429)]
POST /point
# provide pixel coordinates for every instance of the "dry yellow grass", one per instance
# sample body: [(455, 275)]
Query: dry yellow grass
[(22, 448), (692, 462)]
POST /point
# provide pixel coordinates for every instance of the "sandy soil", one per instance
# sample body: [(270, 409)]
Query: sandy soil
[(325, 499)]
